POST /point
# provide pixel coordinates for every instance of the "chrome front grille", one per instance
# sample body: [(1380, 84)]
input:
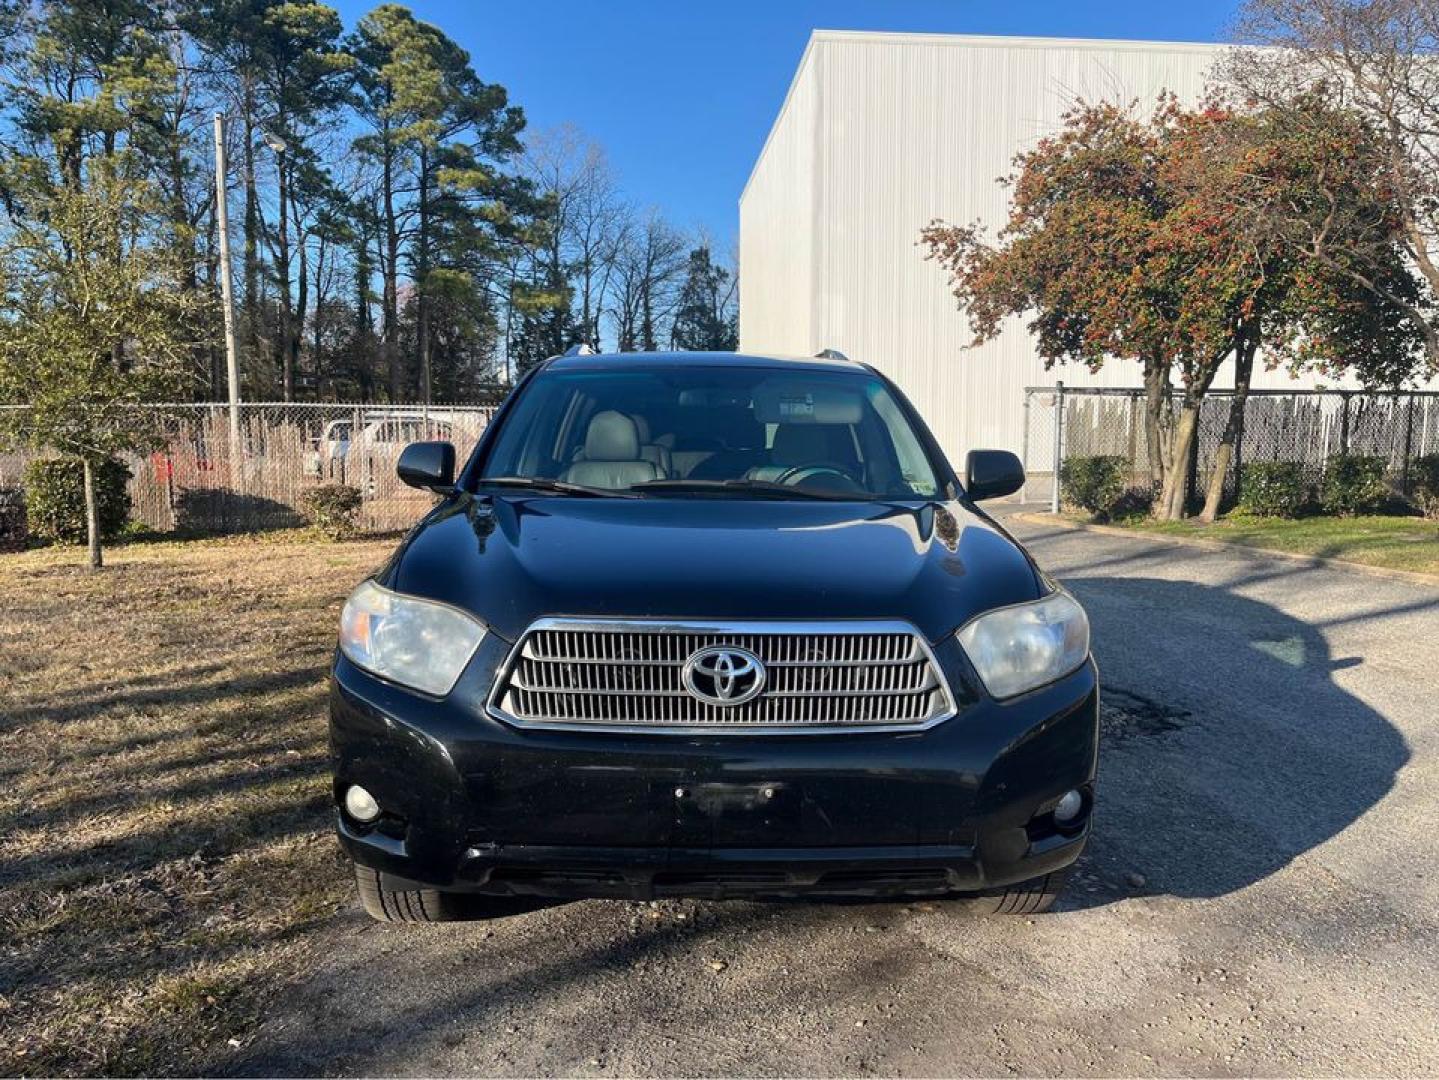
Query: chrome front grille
[(626, 675)]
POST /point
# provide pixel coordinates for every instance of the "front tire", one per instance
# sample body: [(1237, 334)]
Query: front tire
[(383, 903), (389, 899), (1032, 897)]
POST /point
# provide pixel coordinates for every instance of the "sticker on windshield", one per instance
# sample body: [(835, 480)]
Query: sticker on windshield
[(792, 407)]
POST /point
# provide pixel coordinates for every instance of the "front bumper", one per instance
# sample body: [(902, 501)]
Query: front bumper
[(472, 803)]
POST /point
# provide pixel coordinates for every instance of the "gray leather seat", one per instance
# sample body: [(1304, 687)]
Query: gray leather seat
[(808, 444), (612, 455), (682, 462), (653, 452)]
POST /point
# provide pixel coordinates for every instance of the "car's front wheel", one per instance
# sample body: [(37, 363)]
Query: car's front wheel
[(389, 899), (386, 903), (1023, 898)]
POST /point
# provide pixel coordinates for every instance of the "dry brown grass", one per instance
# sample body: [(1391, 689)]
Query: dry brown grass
[(165, 843)]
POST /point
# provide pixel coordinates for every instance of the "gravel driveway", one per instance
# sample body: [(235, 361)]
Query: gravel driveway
[(1261, 897)]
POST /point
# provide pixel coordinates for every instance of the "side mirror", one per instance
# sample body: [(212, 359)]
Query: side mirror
[(988, 474), (428, 465)]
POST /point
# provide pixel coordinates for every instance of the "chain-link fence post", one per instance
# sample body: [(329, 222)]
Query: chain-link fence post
[(1058, 443), (1344, 423), (1024, 444), (1133, 441), (1408, 444)]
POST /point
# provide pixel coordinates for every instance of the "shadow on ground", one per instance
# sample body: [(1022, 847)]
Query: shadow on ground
[(1229, 750)]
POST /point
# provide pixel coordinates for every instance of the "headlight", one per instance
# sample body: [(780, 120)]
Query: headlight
[(413, 642), (1015, 649)]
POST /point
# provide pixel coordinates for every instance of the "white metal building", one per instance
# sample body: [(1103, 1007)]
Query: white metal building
[(879, 135)]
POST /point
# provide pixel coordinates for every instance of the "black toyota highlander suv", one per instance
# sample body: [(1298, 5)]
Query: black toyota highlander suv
[(709, 625)]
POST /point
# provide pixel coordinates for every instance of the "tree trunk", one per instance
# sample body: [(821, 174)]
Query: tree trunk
[(252, 225), (302, 289), (1233, 429), (1174, 496), (185, 237), (218, 372), (586, 281), (365, 357), (1156, 417), (317, 328), (92, 517), (282, 282), (422, 283), (389, 303)]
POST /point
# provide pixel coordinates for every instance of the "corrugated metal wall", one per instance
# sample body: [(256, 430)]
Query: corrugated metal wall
[(777, 218), (883, 133)]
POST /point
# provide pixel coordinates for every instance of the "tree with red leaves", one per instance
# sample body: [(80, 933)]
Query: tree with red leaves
[(1152, 240)]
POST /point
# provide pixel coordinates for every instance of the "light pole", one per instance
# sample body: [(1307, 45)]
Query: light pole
[(232, 356)]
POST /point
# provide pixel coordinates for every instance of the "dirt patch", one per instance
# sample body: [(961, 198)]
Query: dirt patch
[(166, 843)]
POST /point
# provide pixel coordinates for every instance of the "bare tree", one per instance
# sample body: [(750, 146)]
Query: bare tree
[(588, 218), (648, 272)]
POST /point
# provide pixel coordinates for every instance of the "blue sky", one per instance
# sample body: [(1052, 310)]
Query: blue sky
[(682, 93)]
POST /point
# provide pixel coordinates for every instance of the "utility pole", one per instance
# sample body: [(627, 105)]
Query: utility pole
[(232, 358)]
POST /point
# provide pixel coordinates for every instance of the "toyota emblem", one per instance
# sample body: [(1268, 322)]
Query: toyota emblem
[(723, 675)]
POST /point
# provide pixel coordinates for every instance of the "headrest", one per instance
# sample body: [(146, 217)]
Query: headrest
[(611, 437), (642, 428), (789, 401)]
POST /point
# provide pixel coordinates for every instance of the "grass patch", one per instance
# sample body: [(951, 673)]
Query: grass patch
[(1396, 543), (165, 846)]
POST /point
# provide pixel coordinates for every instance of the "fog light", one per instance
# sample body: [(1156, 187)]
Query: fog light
[(1066, 810), (360, 804)]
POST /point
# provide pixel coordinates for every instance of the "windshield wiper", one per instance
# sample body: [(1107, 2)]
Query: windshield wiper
[(558, 487), (767, 488)]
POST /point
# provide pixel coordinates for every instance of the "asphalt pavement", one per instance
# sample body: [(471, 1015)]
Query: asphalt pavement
[(1261, 896)]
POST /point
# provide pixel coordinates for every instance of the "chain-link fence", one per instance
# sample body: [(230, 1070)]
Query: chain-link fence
[(1307, 427), (199, 481)]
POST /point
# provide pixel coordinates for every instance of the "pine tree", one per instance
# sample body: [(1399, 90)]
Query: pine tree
[(704, 318), (440, 136)]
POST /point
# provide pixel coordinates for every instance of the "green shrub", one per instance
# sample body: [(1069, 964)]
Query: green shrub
[(1133, 502), (1274, 489), (1424, 484), (332, 509), (1354, 484), (55, 499), (1096, 484), (13, 531)]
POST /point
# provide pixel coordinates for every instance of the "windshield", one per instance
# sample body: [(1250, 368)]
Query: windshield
[(682, 431)]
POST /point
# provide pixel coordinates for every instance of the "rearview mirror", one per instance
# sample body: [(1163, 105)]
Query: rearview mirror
[(429, 465), (989, 474)]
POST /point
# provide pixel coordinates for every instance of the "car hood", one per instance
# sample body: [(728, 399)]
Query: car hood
[(512, 559)]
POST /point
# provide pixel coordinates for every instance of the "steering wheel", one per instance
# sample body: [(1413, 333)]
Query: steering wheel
[(799, 474)]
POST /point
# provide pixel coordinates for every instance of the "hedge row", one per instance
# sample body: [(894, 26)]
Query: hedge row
[(1350, 484)]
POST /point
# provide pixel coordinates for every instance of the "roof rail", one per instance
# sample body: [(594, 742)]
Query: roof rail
[(579, 350), (831, 354)]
